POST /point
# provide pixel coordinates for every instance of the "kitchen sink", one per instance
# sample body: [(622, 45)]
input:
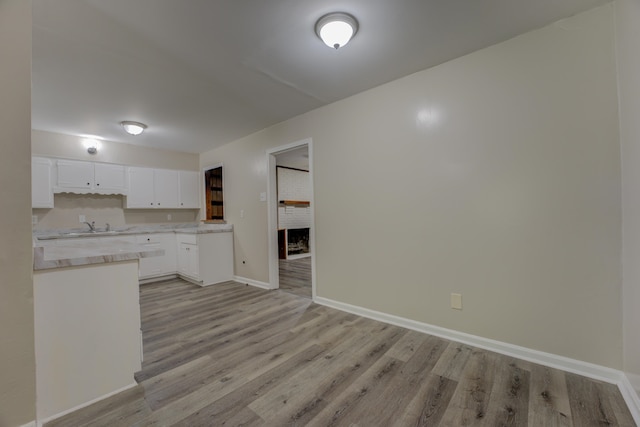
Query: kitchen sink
[(89, 233), (78, 234)]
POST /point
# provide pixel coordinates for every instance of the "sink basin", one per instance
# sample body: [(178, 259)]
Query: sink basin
[(88, 233)]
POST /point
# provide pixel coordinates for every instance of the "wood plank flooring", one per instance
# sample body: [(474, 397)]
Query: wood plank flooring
[(232, 355), (295, 276)]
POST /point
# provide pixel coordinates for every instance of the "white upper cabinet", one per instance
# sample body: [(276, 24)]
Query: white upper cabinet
[(41, 183), (145, 188), (110, 177), (165, 188), (141, 193), (189, 191), (88, 177), (152, 188), (74, 174)]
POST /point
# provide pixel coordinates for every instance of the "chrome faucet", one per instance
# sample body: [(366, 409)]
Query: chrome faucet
[(92, 225)]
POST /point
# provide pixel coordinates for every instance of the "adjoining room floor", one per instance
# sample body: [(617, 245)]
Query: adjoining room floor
[(295, 276), (232, 354)]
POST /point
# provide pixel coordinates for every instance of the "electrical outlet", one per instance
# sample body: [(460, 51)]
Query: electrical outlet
[(82, 218), (241, 213), (456, 301), (168, 217)]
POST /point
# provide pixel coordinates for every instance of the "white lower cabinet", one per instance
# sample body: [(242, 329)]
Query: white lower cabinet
[(205, 258), (188, 257), (159, 265)]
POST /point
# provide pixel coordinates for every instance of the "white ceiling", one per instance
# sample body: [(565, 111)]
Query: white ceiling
[(202, 73)]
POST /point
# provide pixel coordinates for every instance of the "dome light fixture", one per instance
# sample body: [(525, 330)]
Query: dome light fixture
[(133, 128), (336, 29)]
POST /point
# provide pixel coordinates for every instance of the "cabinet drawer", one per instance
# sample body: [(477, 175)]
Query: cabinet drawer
[(147, 238), (191, 239)]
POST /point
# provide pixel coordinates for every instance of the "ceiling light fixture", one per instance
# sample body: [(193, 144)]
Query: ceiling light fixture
[(133, 128), (336, 29)]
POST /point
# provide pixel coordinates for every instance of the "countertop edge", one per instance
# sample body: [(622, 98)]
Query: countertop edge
[(203, 229), (40, 263)]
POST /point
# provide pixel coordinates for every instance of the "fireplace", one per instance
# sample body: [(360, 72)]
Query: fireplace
[(297, 241)]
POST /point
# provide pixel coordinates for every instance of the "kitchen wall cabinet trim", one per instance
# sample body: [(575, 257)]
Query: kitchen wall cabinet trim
[(41, 182), (74, 176)]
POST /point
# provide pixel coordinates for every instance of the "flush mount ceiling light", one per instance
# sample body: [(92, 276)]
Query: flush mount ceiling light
[(336, 29), (133, 128)]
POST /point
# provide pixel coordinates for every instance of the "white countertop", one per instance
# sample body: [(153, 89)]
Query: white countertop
[(189, 228), (82, 252)]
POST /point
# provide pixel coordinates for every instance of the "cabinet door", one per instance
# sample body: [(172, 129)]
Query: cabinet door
[(169, 260), (75, 174), (189, 189), (166, 188), (141, 188), (188, 264), (110, 177), (41, 183), (152, 266), (193, 267)]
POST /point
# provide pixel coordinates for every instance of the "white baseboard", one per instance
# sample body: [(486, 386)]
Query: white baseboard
[(579, 367), (630, 395), (157, 279), (40, 423), (256, 283)]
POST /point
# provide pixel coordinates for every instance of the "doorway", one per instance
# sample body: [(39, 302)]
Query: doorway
[(291, 219)]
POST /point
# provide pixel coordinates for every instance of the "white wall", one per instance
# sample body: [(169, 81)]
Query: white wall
[(293, 185), (50, 144), (627, 39), (496, 175), (17, 363)]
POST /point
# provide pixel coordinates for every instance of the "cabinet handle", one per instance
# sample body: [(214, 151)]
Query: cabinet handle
[(151, 203), (98, 184), (88, 183), (158, 204)]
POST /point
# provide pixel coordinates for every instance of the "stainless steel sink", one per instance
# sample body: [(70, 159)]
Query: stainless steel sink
[(79, 234), (89, 233)]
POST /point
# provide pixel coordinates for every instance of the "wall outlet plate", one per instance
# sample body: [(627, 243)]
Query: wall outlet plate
[(456, 301)]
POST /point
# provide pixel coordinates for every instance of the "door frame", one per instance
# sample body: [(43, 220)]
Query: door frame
[(272, 213)]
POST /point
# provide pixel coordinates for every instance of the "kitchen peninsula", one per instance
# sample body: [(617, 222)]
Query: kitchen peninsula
[(87, 322), (86, 303)]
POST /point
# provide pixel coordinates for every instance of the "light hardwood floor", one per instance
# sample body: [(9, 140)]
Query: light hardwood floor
[(295, 276), (235, 355)]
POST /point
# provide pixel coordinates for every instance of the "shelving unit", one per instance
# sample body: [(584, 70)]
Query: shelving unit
[(295, 203), (214, 194)]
